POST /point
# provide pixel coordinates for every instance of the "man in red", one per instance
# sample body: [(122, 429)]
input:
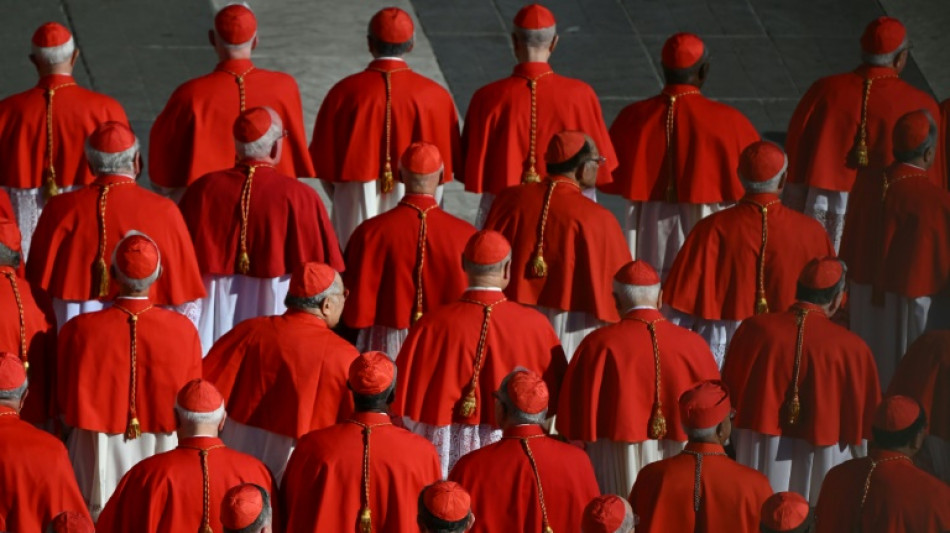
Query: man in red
[(454, 356), (192, 134), (884, 492), (841, 129), (566, 248), (36, 480), (626, 428), (78, 231), (181, 490), (509, 120), (362, 472), (405, 262), (743, 261), (117, 374), (787, 512), (368, 119), (284, 376), (246, 508), (39, 161), (701, 489), (445, 507), (251, 225), (784, 370), (527, 480), (678, 154), (70, 522), (608, 514)]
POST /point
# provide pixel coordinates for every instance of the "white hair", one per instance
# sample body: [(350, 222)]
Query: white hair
[(629, 519), (14, 394), (106, 163), (630, 295), (700, 433), (9, 257), (477, 269), (142, 284), (883, 60), (515, 415), (315, 301), (54, 55), (261, 148), (537, 38), (756, 187), (235, 46), (214, 417)]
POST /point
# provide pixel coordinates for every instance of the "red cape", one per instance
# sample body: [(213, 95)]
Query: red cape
[(349, 136), (65, 245), (6, 207), (567, 480), (714, 275), (163, 494), (285, 374), (583, 248), (437, 361), (862, 241), (496, 138), (923, 373), (732, 494), (192, 135), (597, 401), (901, 499), (823, 130), (329, 463), (76, 113), (287, 224), (93, 369), (837, 369), (708, 138), (37, 479), (381, 259)]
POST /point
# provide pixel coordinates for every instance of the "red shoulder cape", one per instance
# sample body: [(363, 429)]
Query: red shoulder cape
[(922, 374)]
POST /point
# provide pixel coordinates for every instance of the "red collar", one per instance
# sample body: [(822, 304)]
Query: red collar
[(523, 432), (8, 268), (133, 305), (648, 315), (900, 170), (878, 455), (809, 307), (420, 201), (371, 418), (387, 65), (484, 297), (871, 71), (677, 89), (761, 198), (235, 66), (8, 413), (201, 443), (532, 70), (704, 447), (565, 180), (112, 179), (54, 80), (308, 318)]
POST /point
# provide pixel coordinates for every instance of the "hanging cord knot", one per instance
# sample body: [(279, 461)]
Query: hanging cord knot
[(470, 402)]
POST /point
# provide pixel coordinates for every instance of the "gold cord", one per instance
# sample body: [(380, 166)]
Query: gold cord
[(531, 175), (50, 188), (241, 80), (205, 485), (887, 184), (244, 259), (539, 268), (761, 303), (671, 193), (867, 482), (387, 182), (697, 481), (133, 429), (420, 255), (793, 406), (657, 428), (366, 514), (102, 268), (861, 150), (467, 408), (537, 478), (24, 357)]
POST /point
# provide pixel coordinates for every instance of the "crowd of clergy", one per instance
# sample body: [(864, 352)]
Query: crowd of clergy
[(762, 343)]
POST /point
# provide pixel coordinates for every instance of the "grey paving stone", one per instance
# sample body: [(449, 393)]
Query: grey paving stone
[(820, 18), (705, 18), (587, 16), (613, 64), (441, 17), (926, 22)]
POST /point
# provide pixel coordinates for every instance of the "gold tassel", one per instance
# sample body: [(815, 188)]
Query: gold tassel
[(467, 408), (547, 529), (416, 316), (531, 176), (206, 529), (50, 189), (793, 409), (657, 424), (538, 266), (387, 178), (103, 271), (366, 521), (761, 306), (862, 153), (134, 429), (26, 366), (244, 263)]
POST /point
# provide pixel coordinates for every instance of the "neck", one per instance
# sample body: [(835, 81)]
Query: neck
[(533, 54), (711, 440), (59, 68), (196, 430), (131, 293), (486, 281), (903, 450), (918, 162), (11, 404)]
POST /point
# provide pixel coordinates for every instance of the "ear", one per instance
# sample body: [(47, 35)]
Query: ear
[(72, 61), (412, 44), (137, 164), (34, 60), (554, 43), (254, 44), (471, 521), (659, 299), (211, 39), (275, 149), (221, 424), (507, 270), (514, 40), (919, 439)]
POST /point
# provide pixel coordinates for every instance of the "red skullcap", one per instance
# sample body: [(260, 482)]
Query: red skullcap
[(528, 392), (111, 138), (421, 158), (371, 373), (896, 413), (534, 17), (762, 161), (911, 130), (682, 50), (564, 146), (883, 36), (199, 396), (10, 235), (236, 24), (50, 35), (71, 522), (487, 247), (638, 273), (447, 500), (392, 25), (137, 256), (252, 124), (310, 279), (784, 511), (705, 405), (604, 514), (242, 505), (12, 373), (821, 273)]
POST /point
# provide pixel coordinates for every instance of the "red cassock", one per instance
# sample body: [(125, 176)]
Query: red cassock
[(285, 374), (65, 246), (192, 135), (23, 136), (862, 241), (437, 361), (323, 489), (922, 374), (731, 495), (382, 258), (708, 137), (597, 401), (94, 366), (837, 369), (497, 134), (583, 248), (39, 323), (715, 274), (944, 132), (36, 479), (287, 223), (823, 130), (566, 477), (901, 498), (349, 137), (165, 493)]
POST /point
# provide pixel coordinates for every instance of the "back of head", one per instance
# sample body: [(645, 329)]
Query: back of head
[(915, 137), (567, 151), (524, 396), (13, 382), (310, 284), (636, 284), (235, 27), (112, 148), (53, 44), (882, 41), (200, 407), (372, 380), (821, 280), (246, 508), (421, 168), (535, 26), (136, 261), (444, 507), (786, 512), (391, 33), (11, 249), (256, 130), (762, 167), (683, 57), (898, 422), (71, 522), (608, 514), (485, 256), (703, 408)]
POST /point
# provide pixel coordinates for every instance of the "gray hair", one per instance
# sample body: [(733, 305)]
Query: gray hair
[(265, 518), (476, 269), (54, 55), (928, 143), (536, 38), (700, 433), (315, 301), (261, 148), (214, 417), (630, 295), (756, 187), (517, 416), (106, 163), (883, 60), (9, 257), (137, 285), (14, 394), (629, 519)]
